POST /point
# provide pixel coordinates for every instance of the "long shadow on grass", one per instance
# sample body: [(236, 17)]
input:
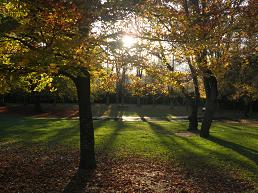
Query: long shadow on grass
[(70, 133), (23, 129), (217, 154), (199, 165), (109, 140), (50, 131), (195, 157), (239, 129), (78, 183), (246, 152)]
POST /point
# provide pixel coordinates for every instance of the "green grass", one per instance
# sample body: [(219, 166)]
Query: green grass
[(231, 147)]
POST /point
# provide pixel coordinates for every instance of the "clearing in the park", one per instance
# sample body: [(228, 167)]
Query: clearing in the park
[(128, 96)]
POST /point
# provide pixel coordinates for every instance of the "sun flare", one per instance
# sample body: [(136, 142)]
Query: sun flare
[(128, 41)]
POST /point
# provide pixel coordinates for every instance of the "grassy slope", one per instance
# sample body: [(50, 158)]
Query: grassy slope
[(231, 147)]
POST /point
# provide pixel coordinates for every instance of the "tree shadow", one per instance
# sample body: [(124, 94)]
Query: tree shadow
[(20, 128), (78, 183), (233, 127), (246, 152), (251, 154), (106, 144), (47, 131), (197, 165)]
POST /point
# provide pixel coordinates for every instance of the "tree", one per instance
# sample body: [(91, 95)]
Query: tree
[(62, 37), (198, 29), (49, 39), (103, 84), (166, 26), (63, 88)]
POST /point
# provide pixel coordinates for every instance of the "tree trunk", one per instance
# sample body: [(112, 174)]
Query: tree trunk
[(118, 92), (193, 118), (122, 89), (210, 85), (87, 153)]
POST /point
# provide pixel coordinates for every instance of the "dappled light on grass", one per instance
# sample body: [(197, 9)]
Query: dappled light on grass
[(28, 130), (156, 152)]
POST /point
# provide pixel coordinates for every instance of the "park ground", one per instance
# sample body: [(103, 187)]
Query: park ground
[(40, 153)]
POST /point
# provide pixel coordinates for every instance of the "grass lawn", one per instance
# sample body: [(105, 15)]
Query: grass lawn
[(231, 153)]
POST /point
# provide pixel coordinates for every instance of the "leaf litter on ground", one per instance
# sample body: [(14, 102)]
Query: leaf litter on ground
[(54, 169)]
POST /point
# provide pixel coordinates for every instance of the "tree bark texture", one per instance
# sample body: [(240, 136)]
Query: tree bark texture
[(210, 85), (193, 118), (87, 152)]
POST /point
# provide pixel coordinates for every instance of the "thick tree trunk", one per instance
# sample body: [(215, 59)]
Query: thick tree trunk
[(210, 85), (193, 118), (87, 153)]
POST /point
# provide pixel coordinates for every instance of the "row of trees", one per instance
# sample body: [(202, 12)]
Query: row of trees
[(82, 40)]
